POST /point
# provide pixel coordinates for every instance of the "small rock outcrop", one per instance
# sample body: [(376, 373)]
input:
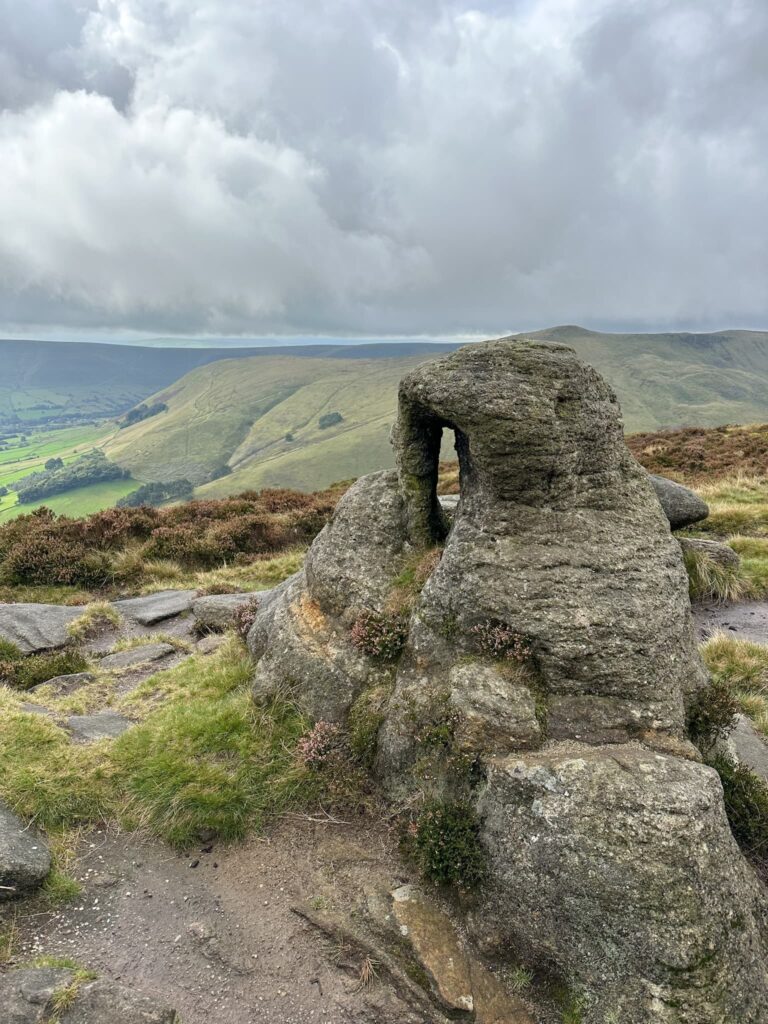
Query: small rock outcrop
[(531, 658), (34, 628), (101, 725), (28, 996), (25, 859), (134, 656), (153, 608), (681, 506), (216, 612)]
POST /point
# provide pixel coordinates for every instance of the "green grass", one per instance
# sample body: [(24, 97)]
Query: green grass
[(67, 444), (79, 502), (738, 505), (200, 758), (742, 666)]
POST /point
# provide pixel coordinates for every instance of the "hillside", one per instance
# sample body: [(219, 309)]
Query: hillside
[(663, 380), (242, 412), (45, 382)]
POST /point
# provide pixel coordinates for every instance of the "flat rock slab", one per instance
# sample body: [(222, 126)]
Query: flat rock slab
[(435, 942), (136, 656), (155, 607), (460, 982), (217, 611), (748, 747), (24, 857), (28, 997), (66, 684), (100, 726), (37, 627)]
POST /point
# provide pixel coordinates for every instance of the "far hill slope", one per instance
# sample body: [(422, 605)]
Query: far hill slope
[(42, 382), (260, 416)]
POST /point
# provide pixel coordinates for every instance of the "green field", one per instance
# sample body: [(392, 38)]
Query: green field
[(79, 502), (67, 444)]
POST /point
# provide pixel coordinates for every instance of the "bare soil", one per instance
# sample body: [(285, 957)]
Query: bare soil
[(212, 932), (747, 620)]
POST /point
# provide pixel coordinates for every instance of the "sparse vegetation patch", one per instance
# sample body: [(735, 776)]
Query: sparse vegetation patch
[(21, 672), (380, 636)]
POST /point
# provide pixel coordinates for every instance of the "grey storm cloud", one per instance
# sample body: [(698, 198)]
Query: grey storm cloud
[(382, 166)]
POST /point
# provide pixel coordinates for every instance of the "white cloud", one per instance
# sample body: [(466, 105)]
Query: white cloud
[(379, 165)]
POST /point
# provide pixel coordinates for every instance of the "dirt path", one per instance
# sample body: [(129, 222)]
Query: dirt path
[(212, 932), (747, 620)]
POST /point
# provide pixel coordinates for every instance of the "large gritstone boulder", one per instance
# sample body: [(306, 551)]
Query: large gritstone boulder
[(532, 657)]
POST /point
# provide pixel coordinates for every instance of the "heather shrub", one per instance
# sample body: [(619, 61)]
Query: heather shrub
[(326, 753), (244, 618), (379, 636), (44, 549), (711, 714), (498, 640), (445, 842), (746, 804)]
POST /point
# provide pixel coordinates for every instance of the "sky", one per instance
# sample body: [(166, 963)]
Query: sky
[(381, 167)]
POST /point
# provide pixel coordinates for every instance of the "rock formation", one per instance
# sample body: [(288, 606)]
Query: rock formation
[(545, 668)]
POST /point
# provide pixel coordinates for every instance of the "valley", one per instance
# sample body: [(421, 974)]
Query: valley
[(230, 420)]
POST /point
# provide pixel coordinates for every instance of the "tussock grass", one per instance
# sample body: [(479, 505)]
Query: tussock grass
[(95, 617), (742, 666), (25, 671), (202, 758), (709, 579)]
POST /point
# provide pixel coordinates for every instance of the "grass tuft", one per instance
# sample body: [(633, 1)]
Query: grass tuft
[(25, 671), (95, 617), (710, 580), (742, 667)]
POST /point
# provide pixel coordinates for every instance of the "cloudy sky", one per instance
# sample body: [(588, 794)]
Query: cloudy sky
[(362, 167)]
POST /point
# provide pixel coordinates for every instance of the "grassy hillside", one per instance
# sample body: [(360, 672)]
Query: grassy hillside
[(671, 380), (259, 415), (45, 383)]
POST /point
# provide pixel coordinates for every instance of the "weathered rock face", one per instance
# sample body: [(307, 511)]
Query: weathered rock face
[(217, 611), (627, 853), (551, 650), (302, 630), (558, 538), (25, 859)]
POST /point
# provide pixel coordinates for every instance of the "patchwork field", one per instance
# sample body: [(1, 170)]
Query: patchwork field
[(19, 460)]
